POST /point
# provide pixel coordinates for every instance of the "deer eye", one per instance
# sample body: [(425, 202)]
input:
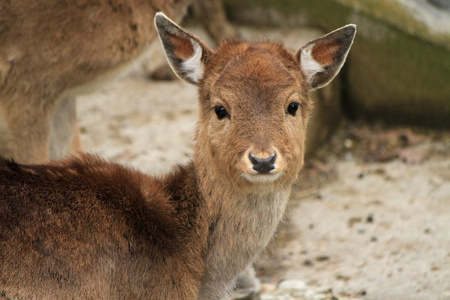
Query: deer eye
[(221, 112), (292, 108)]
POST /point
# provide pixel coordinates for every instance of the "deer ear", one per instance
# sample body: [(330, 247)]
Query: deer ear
[(186, 54), (322, 59)]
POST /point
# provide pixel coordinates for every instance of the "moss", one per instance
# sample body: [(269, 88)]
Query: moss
[(385, 11), (400, 78), (291, 8)]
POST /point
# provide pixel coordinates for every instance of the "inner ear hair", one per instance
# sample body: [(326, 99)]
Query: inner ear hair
[(322, 59), (182, 46)]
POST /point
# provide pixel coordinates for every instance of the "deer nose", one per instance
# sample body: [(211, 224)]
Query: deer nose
[(263, 165)]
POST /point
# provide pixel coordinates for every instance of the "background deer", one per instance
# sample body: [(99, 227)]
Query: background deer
[(52, 51), (85, 228)]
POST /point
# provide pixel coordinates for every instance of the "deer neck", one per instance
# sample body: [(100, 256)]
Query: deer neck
[(241, 225)]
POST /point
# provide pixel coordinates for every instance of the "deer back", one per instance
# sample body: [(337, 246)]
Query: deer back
[(85, 228)]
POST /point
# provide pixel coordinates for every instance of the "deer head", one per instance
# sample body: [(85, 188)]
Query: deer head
[(254, 103)]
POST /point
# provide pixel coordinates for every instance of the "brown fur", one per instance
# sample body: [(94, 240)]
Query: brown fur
[(85, 228)]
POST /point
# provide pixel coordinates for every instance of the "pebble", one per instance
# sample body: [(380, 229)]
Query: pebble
[(292, 285), (436, 181), (348, 143), (293, 289), (361, 229)]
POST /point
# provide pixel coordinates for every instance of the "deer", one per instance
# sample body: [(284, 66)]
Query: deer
[(52, 51), (86, 228)]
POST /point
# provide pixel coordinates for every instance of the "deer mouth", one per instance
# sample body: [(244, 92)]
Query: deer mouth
[(262, 178)]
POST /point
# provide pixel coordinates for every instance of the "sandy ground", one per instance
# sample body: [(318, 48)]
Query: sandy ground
[(365, 227), (368, 219)]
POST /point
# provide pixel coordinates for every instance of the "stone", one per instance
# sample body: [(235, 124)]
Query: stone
[(292, 285)]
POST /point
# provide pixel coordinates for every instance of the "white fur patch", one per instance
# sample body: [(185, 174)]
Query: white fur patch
[(258, 178), (309, 65), (193, 66)]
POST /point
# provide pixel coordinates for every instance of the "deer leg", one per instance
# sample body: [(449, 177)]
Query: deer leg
[(25, 133), (76, 145), (247, 284), (211, 14), (65, 135)]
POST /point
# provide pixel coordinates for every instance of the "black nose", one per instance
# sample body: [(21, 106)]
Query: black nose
[(263, 165)]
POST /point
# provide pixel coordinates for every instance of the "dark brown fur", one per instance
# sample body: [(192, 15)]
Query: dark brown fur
[(113, 223)]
